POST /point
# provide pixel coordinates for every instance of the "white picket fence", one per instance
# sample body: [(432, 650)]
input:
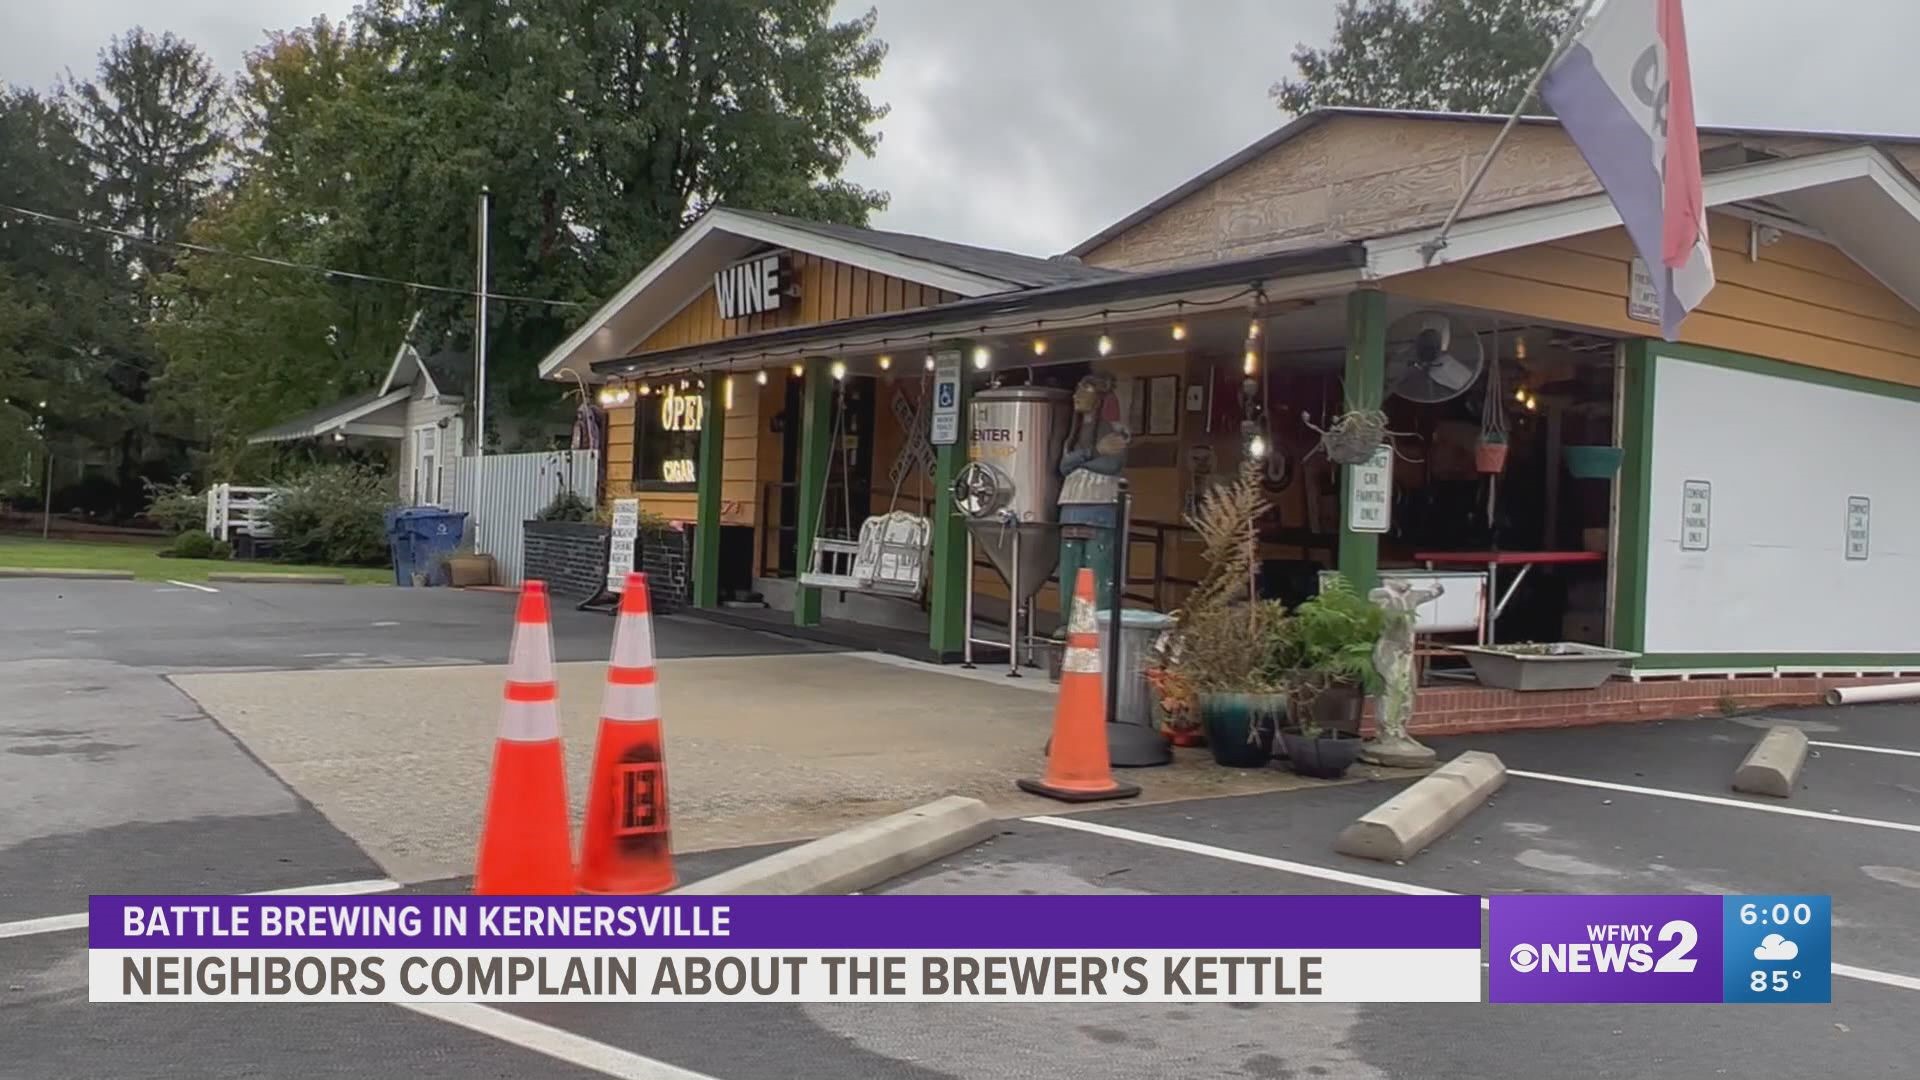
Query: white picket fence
[(502, 491), (233, 510)]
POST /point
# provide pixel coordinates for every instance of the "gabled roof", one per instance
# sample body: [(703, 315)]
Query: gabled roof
[(1857, 198), (328, 418), (723, 236), (449, 373), (1305, 122)]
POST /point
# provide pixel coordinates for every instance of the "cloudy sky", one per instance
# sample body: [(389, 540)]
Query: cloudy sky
[(1031, 124)]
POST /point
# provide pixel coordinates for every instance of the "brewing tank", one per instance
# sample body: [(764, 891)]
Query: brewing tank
[(1012, 481)]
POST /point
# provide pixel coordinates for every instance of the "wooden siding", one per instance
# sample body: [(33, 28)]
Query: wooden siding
[(1804, 301), (829, 291), (1354, 177)]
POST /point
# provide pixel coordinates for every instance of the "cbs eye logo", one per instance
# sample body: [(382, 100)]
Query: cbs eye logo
[(1524, 958)]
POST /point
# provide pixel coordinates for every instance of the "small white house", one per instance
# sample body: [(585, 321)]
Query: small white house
[(416, 414)]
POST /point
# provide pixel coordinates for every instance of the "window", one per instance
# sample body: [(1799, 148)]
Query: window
[(666, 440)]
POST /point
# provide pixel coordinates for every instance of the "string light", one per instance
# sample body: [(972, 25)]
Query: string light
[(1520, 395), (760, 376), (683, 384), (1039, 346), (981, 357), (886, 362), (839, 370), (726, 388), (1179, 330), (1257, 446), (1519, 347), (929, 361), (1252, 363), (799, 370), (621, 394), (1253, 329), (1105, 344), (1533, 402)]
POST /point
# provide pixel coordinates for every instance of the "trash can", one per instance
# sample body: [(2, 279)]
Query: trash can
[(421, 538), (1138, 632)]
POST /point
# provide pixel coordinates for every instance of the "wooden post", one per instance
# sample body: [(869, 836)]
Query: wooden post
[(708, 477), (951, 576), (816, 454), (1365, 383)]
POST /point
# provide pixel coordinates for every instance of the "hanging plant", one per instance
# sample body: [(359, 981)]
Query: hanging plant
[(1490, 451), (1353, 436)]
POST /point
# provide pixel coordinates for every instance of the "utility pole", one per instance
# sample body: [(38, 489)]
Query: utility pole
[(480, 338)]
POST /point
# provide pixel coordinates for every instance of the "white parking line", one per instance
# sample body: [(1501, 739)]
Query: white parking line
[(1864, 749), (53, 924), (192, 585), (1344, 877), (1715, 800), (556, 1043)]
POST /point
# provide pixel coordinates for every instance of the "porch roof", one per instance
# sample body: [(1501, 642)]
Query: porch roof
[(338, 416), (1313, 271)]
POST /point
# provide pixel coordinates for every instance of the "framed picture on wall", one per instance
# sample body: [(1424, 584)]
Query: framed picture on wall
[(1163, 405)]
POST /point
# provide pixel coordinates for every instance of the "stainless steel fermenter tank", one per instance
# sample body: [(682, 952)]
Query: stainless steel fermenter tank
[(1011, 485)]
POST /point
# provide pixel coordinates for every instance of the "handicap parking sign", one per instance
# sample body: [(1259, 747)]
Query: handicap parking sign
[(946, 395)]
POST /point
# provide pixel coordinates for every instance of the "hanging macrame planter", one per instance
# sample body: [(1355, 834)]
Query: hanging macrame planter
[(1352, 438), (1490, 450)]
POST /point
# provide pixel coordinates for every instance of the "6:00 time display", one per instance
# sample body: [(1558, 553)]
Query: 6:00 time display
[(1777, 915)]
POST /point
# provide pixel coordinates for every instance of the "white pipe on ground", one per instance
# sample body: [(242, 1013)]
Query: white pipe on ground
[(1855, 695)]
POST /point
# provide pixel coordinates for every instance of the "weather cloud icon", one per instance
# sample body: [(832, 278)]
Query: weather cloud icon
[(1775, 947)]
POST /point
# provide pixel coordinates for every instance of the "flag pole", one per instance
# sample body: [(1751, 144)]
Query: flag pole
[(1434, 246)]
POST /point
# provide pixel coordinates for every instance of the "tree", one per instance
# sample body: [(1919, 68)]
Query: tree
[(1473, 56)]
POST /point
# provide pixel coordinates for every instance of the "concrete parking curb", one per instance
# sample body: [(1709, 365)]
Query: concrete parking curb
[(277, 579), (64, 574), (860, 857), (1773, 766), (1406, 824)]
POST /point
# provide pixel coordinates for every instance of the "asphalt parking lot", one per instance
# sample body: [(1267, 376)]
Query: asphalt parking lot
[(112, 781)]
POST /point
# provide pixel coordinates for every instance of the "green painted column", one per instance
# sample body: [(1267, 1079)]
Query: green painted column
[(1365, 384), (708, 470), (1631, 527), (949, 576), (816, 451)]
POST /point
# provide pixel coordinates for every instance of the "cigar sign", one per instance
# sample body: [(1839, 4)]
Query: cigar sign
[(758, 285)]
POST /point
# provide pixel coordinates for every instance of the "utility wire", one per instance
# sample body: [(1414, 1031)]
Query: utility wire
[(269, 260)]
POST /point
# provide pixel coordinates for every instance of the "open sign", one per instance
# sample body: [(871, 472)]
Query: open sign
[(681, 412)]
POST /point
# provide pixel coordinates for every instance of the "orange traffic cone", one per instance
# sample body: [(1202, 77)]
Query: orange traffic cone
[(524, 841), (1077, 767), (624, 847)]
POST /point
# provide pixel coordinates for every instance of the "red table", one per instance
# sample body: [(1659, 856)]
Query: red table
[(1493, 560)]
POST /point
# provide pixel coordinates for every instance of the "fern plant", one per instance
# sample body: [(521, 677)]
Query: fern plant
[(1329, 642)]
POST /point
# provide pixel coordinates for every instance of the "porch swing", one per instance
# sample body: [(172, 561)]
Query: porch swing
[(890, 556)]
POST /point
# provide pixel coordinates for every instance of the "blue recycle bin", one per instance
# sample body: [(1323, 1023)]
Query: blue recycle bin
[(420, 536)]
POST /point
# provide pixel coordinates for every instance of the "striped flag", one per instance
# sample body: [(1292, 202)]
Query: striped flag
[(1624, 93)]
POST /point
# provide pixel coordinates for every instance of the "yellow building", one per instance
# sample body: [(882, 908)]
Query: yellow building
[(1737, 500)]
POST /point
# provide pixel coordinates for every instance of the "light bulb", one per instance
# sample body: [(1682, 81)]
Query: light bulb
[(1520, 348), (760, 376), (929, 361), (606, 396), (644, 390), (1257, 447), (622, 396), (799, 370), (1253, 329), (885, 362), (1039, 346), (981, 357), (1179, 331), (1105, 345), (1252, 362), (839, 370), (1532, 403), (726, 392), (1520, 395), (683, 384)]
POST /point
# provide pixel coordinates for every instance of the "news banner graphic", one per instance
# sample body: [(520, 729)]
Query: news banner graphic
[(784, 948), (1660, 949)]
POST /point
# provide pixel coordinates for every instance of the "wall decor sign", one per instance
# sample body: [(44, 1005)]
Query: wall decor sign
[(758, 285), (620, 546), (1643, 296), (1370, 493), (1163, 405), (1859, 524), (1696, 515)]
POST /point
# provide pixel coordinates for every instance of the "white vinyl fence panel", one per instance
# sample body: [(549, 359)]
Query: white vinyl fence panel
[(499, 492)]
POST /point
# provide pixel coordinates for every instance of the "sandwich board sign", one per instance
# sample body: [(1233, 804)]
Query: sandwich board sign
[(620, 547)]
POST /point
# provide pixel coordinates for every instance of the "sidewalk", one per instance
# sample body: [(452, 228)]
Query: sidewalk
[(759, 748)]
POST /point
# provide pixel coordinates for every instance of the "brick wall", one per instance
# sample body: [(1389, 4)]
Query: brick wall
[(667, 560), (570, 556), (1469, 709)]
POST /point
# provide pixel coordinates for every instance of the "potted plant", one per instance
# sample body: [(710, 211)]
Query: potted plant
[(1212, 665), (1353, 436), (1490, 453), (1325, 659)]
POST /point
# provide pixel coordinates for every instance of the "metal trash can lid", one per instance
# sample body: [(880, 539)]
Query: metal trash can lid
[(1135, 619)]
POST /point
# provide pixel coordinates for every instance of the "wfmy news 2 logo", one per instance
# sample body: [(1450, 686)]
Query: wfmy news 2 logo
[(1660, 949)]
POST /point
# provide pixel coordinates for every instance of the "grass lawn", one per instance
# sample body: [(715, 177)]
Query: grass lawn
[(143, 558)]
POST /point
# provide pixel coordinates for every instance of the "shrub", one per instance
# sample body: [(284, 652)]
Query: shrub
[(175, 507), (197, 544), (335, 514), (567, 506)]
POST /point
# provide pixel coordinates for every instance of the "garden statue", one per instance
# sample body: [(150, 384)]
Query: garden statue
[(1091, 464), (1393, 660)]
